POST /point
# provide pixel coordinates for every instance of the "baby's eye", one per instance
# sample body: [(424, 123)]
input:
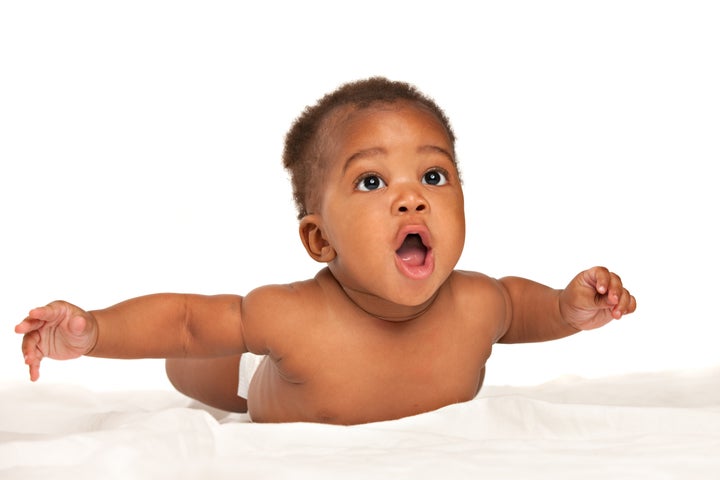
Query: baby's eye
[(369, 183), (435, 177)]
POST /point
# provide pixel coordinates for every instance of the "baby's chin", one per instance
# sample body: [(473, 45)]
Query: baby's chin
[(401, 299)]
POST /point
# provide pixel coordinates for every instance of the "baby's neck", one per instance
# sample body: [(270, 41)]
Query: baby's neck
[(383, 309)]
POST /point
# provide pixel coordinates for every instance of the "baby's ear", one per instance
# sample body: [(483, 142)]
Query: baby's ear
[(313, 239)]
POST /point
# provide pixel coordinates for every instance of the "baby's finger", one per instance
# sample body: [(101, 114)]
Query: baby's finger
[(599, 278), (632, 304), (627, 304), (31, 346), (32, 353), (34, 371), (46, 313), (615, 289), (28, 325)]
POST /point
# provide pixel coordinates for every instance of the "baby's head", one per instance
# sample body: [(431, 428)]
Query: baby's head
[(306, 139)]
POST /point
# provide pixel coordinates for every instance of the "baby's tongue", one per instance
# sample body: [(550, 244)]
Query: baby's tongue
[(412, 251)]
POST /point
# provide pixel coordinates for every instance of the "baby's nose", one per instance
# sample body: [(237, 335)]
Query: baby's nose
[(411, 202), (418, 207)]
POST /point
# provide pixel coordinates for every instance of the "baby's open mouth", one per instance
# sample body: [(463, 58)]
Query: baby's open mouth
[(412, 251)]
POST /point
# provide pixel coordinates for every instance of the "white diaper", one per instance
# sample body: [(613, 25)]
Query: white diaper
[(249, 363)]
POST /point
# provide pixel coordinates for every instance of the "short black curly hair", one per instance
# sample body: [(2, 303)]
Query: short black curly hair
[(301, 156)]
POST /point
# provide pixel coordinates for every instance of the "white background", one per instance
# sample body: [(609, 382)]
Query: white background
[(140, 148)]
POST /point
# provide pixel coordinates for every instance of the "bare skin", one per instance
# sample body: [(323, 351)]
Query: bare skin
[(388, 329)]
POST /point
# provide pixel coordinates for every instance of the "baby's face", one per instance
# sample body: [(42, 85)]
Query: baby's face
[(392, 204)]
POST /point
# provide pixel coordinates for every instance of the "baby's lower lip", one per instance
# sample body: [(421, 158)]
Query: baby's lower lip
[(416, 272)]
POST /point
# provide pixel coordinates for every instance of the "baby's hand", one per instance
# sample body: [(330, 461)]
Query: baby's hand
[(594, 298), (60, 330)]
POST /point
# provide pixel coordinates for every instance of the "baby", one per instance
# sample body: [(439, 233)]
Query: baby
[(387, 328)]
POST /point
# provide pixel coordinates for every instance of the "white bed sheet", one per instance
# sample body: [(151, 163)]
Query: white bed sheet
[(659, 425)]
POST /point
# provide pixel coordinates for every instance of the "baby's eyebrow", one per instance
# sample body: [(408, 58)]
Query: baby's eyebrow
[(375, 151), (368, 152), (436, 149)]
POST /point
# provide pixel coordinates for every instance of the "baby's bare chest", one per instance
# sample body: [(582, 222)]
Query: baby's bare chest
[(363, 375)]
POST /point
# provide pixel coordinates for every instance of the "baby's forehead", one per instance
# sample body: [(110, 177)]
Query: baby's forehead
[(349, 112), (344, 118)]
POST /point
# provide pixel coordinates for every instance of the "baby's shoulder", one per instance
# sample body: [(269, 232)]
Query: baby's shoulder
[(477, 292), (274, 312), (482, 297), (275, 300), (474, 283)]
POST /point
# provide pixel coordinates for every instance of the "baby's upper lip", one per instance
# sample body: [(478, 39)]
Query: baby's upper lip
[(417, 229)]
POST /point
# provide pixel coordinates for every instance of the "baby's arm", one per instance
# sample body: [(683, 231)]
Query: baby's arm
[(539, 313), (154, 326)]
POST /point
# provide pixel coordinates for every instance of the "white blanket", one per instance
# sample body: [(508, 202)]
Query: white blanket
[(660, 425)]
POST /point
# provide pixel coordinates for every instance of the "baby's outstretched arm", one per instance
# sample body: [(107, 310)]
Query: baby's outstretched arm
[(154, 326), (537, 313)]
